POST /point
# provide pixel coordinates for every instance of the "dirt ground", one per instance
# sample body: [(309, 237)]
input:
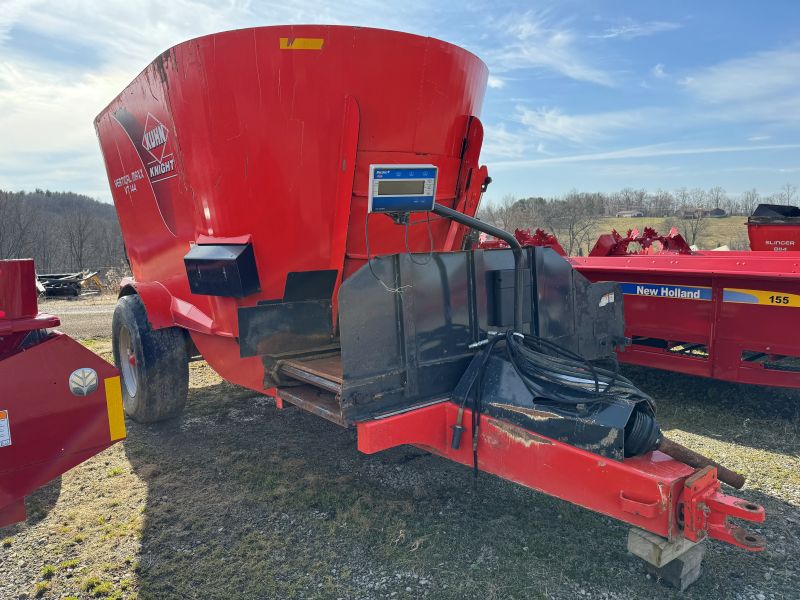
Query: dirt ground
[(81, 318), (236, 499)]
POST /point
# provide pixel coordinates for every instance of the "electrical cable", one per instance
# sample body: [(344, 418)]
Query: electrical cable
[(553, 372), (397, 290), (557, 374), (430, 237)]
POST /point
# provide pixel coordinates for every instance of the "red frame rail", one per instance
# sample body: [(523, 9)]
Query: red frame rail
[(653, 492)]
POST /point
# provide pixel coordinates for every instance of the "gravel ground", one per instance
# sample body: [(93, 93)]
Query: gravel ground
[(83, 317), (236, 499)]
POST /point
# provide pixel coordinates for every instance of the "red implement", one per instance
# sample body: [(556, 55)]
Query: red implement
[(726, 315), (59, 403), (774, 228)]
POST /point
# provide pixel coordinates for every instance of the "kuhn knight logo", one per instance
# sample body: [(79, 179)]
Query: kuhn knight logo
[(155, 137), (154, 141)]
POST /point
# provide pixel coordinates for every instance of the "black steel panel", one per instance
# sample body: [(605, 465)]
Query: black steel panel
[(310, 285), (284, 327), (501, 298), (409, 345)]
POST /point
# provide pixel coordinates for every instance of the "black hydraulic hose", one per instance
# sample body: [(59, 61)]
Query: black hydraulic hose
[(519, 256)]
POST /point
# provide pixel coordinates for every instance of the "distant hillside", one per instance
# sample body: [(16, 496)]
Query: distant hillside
[(62, 231)]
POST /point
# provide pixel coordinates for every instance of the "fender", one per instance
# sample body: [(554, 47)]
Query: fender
[(165, 310)]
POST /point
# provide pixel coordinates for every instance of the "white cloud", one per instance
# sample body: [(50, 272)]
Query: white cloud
[(759, 138), (760, 76), (552, 123), (534, 42), (500, 144), (760, 88), (639, 152), (658, 71), (630, 29), (496, 82)]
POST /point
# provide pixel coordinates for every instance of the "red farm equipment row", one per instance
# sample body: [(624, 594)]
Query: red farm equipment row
[(59, 403), (275, 188)]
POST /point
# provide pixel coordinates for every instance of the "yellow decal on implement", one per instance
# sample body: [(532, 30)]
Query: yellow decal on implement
[(301, 43), (741, 296), (116, 416)]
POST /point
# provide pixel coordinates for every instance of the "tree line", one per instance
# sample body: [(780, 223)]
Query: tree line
[(61, 231), (574, 218), (65, 231)]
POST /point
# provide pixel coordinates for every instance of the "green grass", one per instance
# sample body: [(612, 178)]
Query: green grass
[(47, 572)]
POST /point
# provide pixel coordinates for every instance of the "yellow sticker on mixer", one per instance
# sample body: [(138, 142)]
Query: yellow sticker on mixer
[(761, 297), (5, 429), (301, 43)]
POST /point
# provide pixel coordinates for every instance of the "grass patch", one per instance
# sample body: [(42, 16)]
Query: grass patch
[(7, 542), (48, 571)]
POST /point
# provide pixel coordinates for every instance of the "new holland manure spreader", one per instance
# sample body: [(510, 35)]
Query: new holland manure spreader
[(297, 206)]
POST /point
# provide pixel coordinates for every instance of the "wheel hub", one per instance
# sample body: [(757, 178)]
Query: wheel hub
[(127, 360)]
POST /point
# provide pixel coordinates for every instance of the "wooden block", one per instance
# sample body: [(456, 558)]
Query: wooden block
[(683, 571), (656, 550)]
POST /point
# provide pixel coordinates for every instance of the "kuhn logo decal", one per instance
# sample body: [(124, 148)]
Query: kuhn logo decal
[(155, 136), (154, 141)]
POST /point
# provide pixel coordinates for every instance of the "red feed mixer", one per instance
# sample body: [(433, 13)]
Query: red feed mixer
[(296, 203), (59, 403)]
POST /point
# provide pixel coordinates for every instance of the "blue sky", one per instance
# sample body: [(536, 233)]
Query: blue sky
[(589, 95)]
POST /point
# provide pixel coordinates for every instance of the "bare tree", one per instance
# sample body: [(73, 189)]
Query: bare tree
[(683, 198), (16, 226), (78, 227), (716, 196), (508, 214), (690, 224), (573, 220), (662, 203), (787, 193), (749, 200)]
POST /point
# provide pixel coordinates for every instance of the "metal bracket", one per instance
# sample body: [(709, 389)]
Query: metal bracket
[(706, 512)]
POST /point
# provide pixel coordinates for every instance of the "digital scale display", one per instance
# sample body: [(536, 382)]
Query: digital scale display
[(402, 188)]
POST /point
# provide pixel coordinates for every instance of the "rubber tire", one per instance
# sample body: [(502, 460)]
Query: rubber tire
[(162, 363)]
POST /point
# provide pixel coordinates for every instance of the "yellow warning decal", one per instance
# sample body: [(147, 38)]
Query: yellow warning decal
[(116, 415), (301, 43), (741, 296)]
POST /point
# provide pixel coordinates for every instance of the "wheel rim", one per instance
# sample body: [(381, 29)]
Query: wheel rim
[(127, 360)]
